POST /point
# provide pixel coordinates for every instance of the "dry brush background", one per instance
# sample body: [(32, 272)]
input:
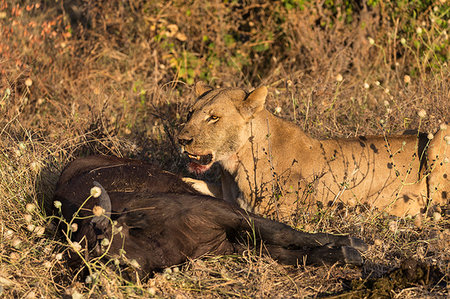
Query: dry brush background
[(114, 77)]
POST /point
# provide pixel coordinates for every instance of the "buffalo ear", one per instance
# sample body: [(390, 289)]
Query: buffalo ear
[(254, 102), (201, 88)]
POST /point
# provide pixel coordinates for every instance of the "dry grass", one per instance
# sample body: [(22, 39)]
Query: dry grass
[(113, 84)]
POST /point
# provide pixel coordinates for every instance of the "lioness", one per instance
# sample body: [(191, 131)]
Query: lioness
[(278, 168)]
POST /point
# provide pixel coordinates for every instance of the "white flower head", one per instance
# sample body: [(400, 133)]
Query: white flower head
[(31, 227), (96, 192), (76, 246), (430, 136), (28, 218), (278, 109), (16, 242), (371, 41), (403, 41), (366, 85), (407, 79), (39, 231), (30, 207), (151, 291), (443, 126), (57, 204), (105, 242), (8, 234), (77, 295), (59, 256), (74, 227), (419, 30), (339, 78), (98, 210), (422, 113), (47, 264), (28, 82)]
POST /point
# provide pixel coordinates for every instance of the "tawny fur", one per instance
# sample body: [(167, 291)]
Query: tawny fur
[(279, 168)]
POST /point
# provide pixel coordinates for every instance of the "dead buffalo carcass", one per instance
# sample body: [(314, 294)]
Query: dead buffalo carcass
[(150, 215)]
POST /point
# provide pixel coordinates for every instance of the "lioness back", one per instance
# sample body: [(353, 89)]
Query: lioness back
[(280, 169)]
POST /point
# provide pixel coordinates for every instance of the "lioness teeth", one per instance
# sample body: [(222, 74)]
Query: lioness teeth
[(194, 157)]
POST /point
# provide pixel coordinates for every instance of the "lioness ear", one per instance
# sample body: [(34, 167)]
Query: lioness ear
[(254, 102), (201, 88)]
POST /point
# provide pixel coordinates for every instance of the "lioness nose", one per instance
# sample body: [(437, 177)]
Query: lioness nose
[(185, 141)]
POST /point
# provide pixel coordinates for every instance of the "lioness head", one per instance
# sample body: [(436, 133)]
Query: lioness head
[(218, 124)]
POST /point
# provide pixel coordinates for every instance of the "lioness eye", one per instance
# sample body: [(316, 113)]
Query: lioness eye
[(213, 118)]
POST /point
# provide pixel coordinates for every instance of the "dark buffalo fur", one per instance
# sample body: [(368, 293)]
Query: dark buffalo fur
[(165, 222)]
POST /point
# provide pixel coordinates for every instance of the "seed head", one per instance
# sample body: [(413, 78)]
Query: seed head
[(443, 126), (393, 226), (422, 113), (278, 110), (16, 242), (437, 216), (105, 242), (59, 256), (403, 41), (98, 211), (74, 227), (30, 207), (151, 291), (76, 246), (39, 230), (419, 30), (339, 78), (57, 204), (366, 85), (96, 192), (8, 234), (430, 136), (31, 227), (371, 41), (406, 79), (34, 166), (47, 264), (77, 295), (28, 82), (28, 218)]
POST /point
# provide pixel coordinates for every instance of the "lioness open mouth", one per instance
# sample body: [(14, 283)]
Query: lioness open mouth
[(199, 163)]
